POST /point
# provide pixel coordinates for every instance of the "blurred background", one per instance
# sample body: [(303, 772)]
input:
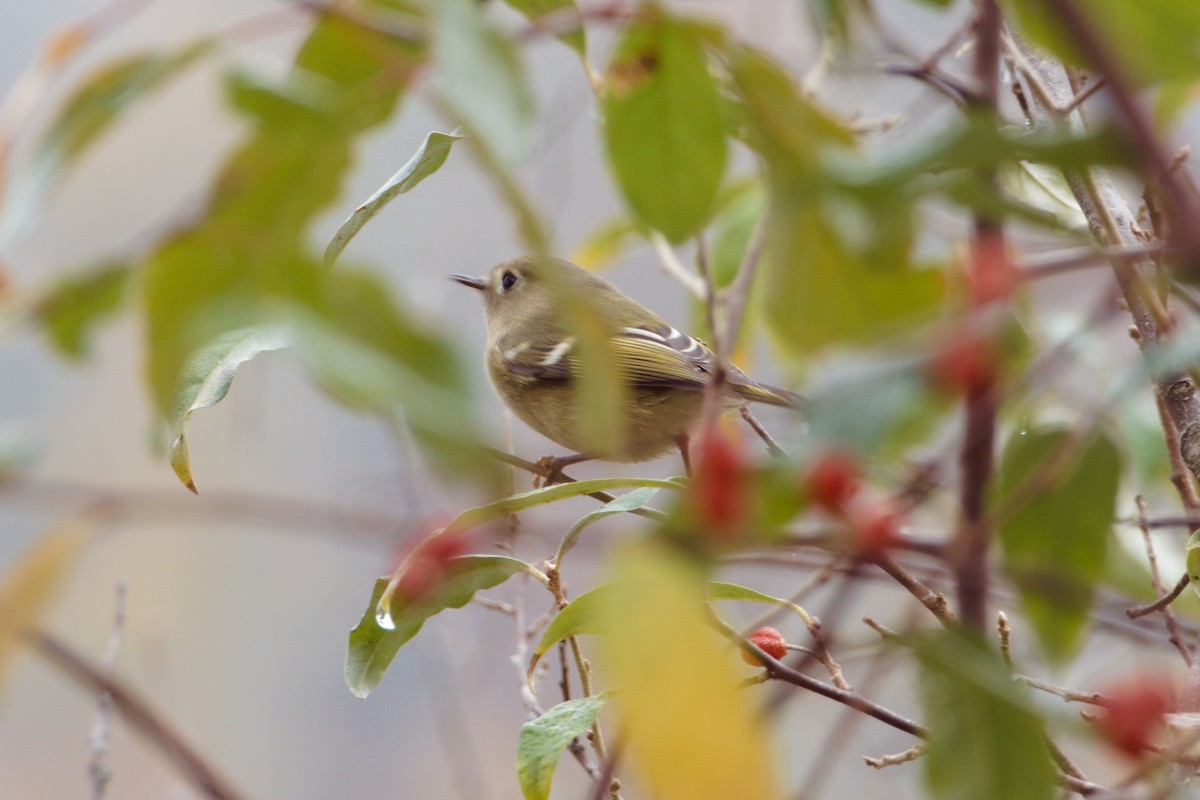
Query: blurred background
[(238, 600)]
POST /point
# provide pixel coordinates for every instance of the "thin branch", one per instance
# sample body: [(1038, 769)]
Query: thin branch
[(139, 714), (911, 754), (98, 770), (671, 265), (1162, 602), (532, 468), (1070, 695), (1156, 580), (772, 445), (782, 672)]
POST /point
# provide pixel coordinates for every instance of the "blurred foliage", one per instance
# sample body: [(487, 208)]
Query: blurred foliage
[(984, 734), (709, 140), (1056, 540)]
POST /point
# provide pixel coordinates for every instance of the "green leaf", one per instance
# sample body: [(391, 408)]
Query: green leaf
[(543, 739), (719, 590), (1151, 40), (1193, 561), (474, 517), (206, 380), (479, 76), (1055, 543), (630, 501), (574, 38), (581, 615), (985, 742), (372, 647), (91, 110), (664, 124), (584, 614), (77, 303), (427, 160)]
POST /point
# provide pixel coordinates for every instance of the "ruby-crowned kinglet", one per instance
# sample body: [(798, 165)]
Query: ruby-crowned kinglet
[(531, 362)]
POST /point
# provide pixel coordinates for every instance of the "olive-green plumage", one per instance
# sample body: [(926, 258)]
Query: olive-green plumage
[(530, 359)]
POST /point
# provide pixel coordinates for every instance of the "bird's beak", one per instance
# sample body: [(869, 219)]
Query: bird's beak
[(470, 280)]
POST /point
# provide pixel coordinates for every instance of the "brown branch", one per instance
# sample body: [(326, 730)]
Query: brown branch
[(1162, 602), (535, 469), (854, 700), (139, 714), (1156, 580), (1182, 209), (968, 554)]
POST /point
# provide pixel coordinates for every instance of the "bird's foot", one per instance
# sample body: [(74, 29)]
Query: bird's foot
[(550, 469)]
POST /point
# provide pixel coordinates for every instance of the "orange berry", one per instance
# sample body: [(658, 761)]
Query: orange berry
[(770, 641)]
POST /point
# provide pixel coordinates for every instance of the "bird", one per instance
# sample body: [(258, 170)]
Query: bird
[(532, 361)]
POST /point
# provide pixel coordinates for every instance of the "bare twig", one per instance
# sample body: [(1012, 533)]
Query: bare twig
[(139, 714), (671, 265), (772, 446), (1162, 602), (911, 754), (98, 770), (1156, 579)]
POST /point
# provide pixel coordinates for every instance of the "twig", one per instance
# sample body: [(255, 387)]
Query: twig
[(782, 672), (671, 265), (772, 446), (934, 601), (1070, 695), (1162, 602), (139, 714), (911, 754), (98, 770), (1005, 632), (530, 467), (1156, 580)]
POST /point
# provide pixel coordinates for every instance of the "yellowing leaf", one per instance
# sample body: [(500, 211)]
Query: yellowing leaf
[(691, 733), (31, 583)]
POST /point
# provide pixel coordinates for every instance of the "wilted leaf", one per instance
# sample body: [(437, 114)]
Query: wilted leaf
[(543, 740), (690, 732), (575, 38), (1044, 188), (78, 302), (31, 582), (986, 744), (372, 646), (92, 108), (664, 124), (1055, 541), (427, 160), (479, 74)]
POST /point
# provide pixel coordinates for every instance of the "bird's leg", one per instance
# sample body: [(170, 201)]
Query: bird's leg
[(682, 441), (550, 468)]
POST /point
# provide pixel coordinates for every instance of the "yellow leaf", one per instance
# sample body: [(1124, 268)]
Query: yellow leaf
[(691, 732), (31, 583)]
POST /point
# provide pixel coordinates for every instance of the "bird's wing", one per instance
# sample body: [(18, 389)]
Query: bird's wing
[(652, 357)]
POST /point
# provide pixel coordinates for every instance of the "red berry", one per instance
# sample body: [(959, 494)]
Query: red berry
[(992, 275), (874, 526), (428, 564), (1134, 709), (967, 364), (720, 490), (770, 641), (833, 478)]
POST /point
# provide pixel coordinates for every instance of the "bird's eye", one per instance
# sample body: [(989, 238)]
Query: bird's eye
[(508, 281)]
